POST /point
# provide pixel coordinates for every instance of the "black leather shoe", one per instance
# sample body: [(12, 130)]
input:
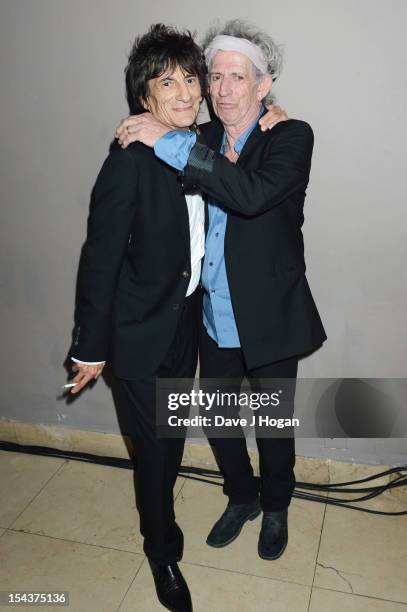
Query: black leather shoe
[(172, 590), (230, 524), (273, 535)]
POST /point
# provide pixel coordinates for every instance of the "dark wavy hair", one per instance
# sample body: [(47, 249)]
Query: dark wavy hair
[(162, 48)]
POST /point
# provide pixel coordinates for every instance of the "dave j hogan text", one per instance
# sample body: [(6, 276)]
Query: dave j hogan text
[(218, 420)]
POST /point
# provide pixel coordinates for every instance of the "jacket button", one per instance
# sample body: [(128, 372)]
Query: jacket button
[(175, 306), (185, 274)]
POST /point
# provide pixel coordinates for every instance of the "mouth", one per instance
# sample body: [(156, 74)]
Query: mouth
[(183, 109)]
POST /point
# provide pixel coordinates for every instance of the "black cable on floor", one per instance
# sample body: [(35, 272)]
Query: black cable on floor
[(207, 476)]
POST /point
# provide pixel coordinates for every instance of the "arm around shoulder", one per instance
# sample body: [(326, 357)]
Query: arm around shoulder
[(283, 170)]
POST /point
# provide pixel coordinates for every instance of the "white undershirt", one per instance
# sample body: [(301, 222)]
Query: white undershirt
[(196, 216)]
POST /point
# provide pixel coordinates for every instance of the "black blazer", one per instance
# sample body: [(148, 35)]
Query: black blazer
[(135, 265), (263, 194)]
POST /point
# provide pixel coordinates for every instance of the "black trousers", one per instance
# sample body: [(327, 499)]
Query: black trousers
[(159, 459), (276, 455)]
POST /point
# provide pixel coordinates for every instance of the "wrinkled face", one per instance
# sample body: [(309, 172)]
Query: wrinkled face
[(174, 98), (235, 92)]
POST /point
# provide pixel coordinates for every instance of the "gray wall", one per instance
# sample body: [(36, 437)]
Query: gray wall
[(61, 95)]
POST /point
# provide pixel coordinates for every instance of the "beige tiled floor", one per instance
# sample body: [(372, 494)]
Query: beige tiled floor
[(72, 526)]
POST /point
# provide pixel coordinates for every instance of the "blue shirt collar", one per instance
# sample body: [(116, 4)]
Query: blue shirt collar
[(240, 142)]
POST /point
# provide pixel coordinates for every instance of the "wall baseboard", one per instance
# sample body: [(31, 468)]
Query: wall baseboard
[(307, 469)]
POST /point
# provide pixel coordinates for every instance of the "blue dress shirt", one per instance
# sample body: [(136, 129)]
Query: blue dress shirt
[(174, 148)]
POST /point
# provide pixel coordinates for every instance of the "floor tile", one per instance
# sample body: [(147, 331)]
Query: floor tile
[(87, 503), (221, 591), (364, 553), (97, 578), (22, 476)]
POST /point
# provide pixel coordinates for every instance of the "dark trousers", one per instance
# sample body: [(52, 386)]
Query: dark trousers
[(159, 459), (276, 455)]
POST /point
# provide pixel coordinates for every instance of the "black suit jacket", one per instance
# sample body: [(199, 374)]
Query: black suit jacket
[(263, 194), (135, 264)]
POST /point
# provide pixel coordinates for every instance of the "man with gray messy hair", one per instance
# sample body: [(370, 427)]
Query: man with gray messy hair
[(270, 57), (259, 316)]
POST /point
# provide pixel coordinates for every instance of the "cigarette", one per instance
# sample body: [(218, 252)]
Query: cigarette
[(68, 385)]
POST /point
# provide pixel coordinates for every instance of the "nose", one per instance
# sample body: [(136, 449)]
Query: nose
[(183, 92), (224, 87)]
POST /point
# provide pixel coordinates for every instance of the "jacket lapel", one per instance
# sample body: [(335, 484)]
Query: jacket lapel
[(210, 134), (178, 201)]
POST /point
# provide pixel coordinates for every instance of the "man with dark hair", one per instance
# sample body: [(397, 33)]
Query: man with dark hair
[(162, 49), (138, 307)]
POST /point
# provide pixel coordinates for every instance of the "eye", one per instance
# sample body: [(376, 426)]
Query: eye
[(215, 77), (191, 80)]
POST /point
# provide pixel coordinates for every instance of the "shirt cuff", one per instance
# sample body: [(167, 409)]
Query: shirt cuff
[(174, 147), (87, 362)]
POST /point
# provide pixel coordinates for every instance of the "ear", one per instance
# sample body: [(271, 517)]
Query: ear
[(264, 86), (145, 104)]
